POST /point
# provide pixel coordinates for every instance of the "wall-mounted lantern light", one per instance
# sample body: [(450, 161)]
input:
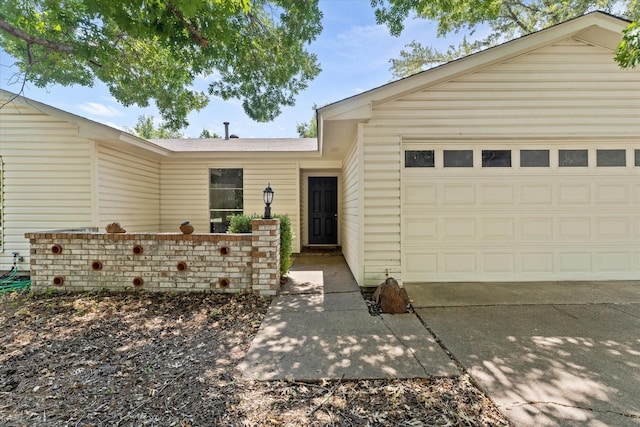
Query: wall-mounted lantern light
[(267, 196)]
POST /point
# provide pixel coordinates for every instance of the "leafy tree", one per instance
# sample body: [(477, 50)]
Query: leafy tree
[(505, 18), (153, 50), (145, 128), (628, 52), (420, 57), (309, 130), (206, 133)]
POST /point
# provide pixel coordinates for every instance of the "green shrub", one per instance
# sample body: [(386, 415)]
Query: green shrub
[(286, 238), (242, 224)]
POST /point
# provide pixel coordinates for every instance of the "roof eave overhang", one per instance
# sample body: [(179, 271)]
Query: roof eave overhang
[(87, 128), (142, 143), (271, 155)]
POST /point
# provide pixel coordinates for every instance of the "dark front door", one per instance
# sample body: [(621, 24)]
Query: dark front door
[(323, 210)]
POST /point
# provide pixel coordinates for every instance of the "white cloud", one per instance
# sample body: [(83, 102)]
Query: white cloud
[(362, 38), (97, 109)]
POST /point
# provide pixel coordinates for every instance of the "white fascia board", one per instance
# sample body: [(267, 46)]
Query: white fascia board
[(345, 110), (142, 143), (246, 155), (320, 130), (111, 135)]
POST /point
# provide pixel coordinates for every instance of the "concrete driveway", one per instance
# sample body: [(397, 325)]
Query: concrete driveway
[(549, 354)]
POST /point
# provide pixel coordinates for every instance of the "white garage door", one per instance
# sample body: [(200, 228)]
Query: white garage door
[(536, 212)]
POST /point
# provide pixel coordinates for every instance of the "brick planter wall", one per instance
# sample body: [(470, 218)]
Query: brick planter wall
[(85, 259)]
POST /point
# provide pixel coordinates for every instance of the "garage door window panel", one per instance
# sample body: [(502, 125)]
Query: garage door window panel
[(496, 158), (458, 158), (534, 158), (637, 155), (611, 158), (419, 158), (573, 158)]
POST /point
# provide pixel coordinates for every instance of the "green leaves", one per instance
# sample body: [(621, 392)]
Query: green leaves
[(274, 66), (628, 52), (309, 130), (418, 57), (451, 15), (153, 50), (506, 19), (242, 224), (146, 128)]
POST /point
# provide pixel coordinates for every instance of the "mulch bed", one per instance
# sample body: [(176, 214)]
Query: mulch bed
[(138, 359)]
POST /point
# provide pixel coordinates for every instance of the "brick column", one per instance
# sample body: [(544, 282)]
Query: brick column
[(265, 241)]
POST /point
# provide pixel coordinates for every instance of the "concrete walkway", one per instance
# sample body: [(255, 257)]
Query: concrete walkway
[(319, 327), (548, 354)]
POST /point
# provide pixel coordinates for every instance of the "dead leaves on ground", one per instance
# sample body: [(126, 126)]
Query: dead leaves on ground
[(137, 359), (415, 403)]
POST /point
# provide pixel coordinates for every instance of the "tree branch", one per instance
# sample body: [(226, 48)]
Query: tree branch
[(17, 32), (526, 6), (20, 92), (511, 14), (199, 38)]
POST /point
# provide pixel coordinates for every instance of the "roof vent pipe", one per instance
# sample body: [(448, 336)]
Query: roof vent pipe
[(226, 130)]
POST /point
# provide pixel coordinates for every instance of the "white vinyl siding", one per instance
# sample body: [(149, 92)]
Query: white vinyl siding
[(185, 191), (350, 217), (382, 161), (283, 178), (47, 178), (184, 195), (128, 190), (568, 89)]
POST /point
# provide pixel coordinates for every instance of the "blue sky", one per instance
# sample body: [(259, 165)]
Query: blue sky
[(352, 50)]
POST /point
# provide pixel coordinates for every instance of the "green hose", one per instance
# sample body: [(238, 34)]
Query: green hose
[(9, 282)]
